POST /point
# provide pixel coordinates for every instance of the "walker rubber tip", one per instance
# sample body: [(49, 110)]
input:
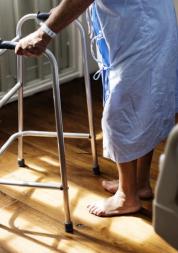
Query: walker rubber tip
[(21, 163), (96, 171), (69, 228)]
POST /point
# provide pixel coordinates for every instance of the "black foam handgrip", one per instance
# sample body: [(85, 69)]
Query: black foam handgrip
[(7, 44), (42, 16)]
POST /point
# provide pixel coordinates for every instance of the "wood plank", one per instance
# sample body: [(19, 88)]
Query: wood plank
[(32, 219), (23, 229)]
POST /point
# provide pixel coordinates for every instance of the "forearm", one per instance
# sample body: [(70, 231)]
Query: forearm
[(35, 44), (66, 12)]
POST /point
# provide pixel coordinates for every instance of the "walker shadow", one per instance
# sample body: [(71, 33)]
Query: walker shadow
[(83, 236)]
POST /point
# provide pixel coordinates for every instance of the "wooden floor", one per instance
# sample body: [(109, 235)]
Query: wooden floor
[(32, 219)]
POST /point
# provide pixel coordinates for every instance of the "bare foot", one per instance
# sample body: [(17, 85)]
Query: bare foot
[(112, 186), (118, 204)]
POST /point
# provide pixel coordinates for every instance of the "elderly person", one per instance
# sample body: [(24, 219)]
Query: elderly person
[(137, 45)]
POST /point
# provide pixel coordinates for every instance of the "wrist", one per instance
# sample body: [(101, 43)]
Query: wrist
[(43, 36), (47, 30)]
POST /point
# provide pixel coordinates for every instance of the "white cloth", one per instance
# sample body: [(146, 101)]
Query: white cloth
[(142, 46)]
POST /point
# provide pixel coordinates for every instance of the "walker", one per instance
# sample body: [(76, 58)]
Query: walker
[(5, 45)]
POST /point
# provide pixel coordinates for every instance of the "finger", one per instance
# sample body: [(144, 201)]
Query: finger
[(30, 52), (18, 49), (20, 52), (37, 51)]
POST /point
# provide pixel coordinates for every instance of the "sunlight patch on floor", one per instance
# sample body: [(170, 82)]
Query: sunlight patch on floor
[(99, 136), (49, 160), (76, 247), (37, 168), (81, 211), (129, 227)]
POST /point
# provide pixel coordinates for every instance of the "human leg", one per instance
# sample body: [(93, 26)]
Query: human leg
[(126, 199), (143, 178)]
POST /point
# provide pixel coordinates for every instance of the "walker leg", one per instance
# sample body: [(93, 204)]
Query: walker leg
[(61, 151), (69, 228), (96, 169), (21, 161), (60, 140)]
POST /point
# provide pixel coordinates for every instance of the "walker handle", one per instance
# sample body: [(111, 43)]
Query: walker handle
[(43, 16), (7, 44)]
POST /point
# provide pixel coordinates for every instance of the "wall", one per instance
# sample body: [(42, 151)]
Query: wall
[(37, 71)]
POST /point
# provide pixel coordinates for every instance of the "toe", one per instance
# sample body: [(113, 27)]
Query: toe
[(91, 208), (95, 209)]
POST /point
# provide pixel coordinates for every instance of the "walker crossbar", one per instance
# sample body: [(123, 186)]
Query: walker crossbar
[(32, 184), (5, 45), (13, 137), (9, 94)]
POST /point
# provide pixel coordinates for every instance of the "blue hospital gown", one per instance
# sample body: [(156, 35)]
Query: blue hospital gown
[(138, 46), (177, 90)]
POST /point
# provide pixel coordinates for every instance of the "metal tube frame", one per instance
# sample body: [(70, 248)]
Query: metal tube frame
[(20, 110), (58, 115), (96, 169)]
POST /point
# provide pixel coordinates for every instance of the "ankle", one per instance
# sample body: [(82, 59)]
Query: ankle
[(144, 186), (127, 195)]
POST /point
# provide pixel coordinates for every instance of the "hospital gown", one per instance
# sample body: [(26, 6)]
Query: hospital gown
[(138, 48), (177, 91)]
